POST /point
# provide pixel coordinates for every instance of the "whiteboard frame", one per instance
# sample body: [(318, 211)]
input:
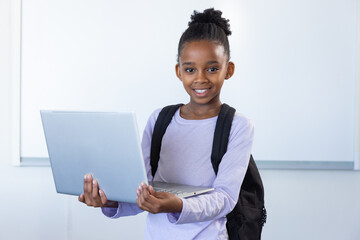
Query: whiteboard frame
[(17, 160), (15, 29), (357, 125)]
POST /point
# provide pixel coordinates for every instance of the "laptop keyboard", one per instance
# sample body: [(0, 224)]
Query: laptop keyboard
[(173, 191)]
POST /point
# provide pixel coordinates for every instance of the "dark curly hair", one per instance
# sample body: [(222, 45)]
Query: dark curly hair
[(208, 25)]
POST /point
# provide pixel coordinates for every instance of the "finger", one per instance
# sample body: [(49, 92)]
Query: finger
[(145, 188), (95, 194), (140, 200), (144, 191), (142, 205), (147, 201), (85, 187), (151, 190), (81, 198), (103, 197), (88, 189), (95, 189)]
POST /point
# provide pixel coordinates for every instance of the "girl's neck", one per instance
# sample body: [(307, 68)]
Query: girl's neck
[(193, 111)]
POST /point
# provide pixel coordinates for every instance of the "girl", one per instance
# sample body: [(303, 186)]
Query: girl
[(203, 65)]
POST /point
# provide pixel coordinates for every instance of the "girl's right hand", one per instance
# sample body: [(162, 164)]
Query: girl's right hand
[(94, 197)]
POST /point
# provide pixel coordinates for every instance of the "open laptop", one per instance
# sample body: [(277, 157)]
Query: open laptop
[(105, 144)]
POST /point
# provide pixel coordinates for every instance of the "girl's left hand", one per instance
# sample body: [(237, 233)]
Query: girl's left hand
[(157, 202)]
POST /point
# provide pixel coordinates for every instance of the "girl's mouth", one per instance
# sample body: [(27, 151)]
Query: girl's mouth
[(201, 92)]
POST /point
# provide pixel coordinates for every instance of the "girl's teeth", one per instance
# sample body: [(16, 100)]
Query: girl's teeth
[(200, 91)]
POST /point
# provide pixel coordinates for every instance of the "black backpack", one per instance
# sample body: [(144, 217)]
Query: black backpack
[(246, 220)]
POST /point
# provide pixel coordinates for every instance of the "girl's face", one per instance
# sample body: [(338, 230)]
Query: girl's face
[(203, 66)]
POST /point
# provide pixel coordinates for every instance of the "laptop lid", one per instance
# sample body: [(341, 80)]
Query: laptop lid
[(105, 144)]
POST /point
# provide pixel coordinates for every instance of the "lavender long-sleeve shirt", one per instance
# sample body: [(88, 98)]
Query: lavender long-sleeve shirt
[(185, 158)]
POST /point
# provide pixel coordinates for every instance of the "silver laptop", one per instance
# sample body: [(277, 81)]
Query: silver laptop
[(105, 144)]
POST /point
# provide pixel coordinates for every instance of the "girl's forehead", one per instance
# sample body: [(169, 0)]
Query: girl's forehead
[(203, 50)]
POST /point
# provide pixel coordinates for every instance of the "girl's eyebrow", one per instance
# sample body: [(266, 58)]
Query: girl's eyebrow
[(187, 63), (191, 63)]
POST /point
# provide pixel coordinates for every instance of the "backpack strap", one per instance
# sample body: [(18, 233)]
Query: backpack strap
[(162, 122), (221, 135)]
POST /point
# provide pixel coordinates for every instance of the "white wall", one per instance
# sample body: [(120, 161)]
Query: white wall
[(301, 204)]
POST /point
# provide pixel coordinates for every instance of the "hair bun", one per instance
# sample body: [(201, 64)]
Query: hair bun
[(211, 16)]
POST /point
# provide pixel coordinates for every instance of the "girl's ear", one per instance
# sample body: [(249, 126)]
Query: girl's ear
[(230, 70), (178, 71)]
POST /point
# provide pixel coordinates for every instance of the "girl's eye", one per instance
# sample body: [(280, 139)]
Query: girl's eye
[(189, 70), (214, 69)]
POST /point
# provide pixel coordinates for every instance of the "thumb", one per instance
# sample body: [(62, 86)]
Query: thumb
[(161, 195)]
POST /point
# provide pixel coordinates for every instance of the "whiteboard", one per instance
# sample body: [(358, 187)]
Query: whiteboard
[(296, 68)]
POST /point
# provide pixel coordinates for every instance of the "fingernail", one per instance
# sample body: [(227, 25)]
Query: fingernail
[(138, 192), (94, 182)]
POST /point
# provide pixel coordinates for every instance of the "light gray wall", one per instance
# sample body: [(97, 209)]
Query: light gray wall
[(312, 205), (301, 204)]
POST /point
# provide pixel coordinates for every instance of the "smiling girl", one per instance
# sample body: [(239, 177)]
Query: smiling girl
[(203, 66)]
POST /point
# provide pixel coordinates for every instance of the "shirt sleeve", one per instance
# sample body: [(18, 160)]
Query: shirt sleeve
[(124, 209), (227, 184)]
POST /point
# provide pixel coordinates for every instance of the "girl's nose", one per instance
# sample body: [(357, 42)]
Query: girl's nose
[(201, 77)]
